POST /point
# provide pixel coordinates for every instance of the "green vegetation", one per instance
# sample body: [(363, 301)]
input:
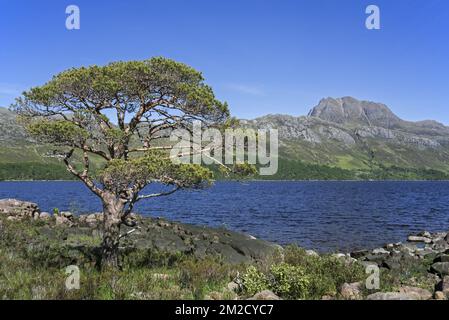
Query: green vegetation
[(288, 170), (302, 276), (33, 171), (33, 266), (117, 113)]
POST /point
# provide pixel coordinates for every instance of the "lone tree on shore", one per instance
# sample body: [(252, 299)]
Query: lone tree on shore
[(119, 113)]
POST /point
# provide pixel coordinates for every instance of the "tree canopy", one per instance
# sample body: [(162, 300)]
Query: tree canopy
[(119, 109), (121, 113)]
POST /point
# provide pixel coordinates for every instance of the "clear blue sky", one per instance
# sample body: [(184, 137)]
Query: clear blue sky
[(262, 56)]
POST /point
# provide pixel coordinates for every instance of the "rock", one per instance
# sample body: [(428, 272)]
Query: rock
[(419, 239), (19, 209), (339, 255), (380, 251), (232, 286), (45, 216), (199, 241), (368, 263), (407, 248), (92, 219), (440, 245), (389, 296), (352, 291), (442, 258), (424, 252), (60, 220), (327, 298), (265, 295), (67, 215), (359, 254), (439, 295), (416, 293), (425, 234), (312, 253), (443, 285), (379, 259), (392, 263), (441, 268), (214, 295)]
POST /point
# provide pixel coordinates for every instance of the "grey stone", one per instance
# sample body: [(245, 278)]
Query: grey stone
[(443, 285), (390, 296), (45, 216), (441, 268), (440, 295), (416, 293), (419, 239), (312, 253), (19, 209), (351, 291), (265, 295), (359, 254), (380, 251), (232, 286), (442, 258)]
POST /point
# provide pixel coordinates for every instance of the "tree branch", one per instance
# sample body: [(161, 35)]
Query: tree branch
[(161, 194)]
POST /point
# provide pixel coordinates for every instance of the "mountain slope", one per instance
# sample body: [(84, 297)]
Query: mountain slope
[(341, 138), (359, 135)]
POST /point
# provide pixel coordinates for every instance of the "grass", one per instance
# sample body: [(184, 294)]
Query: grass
[(34, 257)]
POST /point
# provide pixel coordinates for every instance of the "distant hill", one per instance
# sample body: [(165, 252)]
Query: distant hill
[(364, 137), (342, 138)]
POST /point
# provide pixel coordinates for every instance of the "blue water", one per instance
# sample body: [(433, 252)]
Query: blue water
[(319, 215)]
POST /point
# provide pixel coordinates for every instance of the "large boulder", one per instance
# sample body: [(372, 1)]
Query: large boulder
[(419, 239), (441, 268), (404, 293), (389, 296), (417, 293), (265, 295), (19, 209), (200, 241), (443, 285), (351, 291)]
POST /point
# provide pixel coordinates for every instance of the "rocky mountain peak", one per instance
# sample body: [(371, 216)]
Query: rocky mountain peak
[(348, 110)]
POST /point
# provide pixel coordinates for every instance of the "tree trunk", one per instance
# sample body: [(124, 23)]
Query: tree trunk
[(112, 212)]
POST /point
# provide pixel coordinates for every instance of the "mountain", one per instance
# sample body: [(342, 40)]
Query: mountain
[(340, 138), (10, 132), (360, 136), (349, 111), (21, 158)]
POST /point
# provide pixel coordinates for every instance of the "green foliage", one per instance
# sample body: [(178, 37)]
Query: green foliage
[(153, 166), (202, 275), (289, 281), (33, 171), (59, 132), (301, 276), (33, 267), (254, 281)]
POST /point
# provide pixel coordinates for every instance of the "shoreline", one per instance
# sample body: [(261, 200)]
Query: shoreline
[(416, 269)]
